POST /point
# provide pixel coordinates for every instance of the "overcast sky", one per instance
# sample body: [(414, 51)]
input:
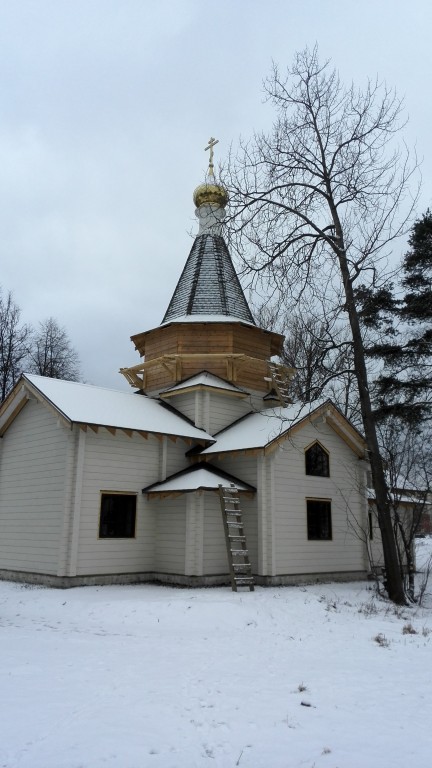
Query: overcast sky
[(106, 107)]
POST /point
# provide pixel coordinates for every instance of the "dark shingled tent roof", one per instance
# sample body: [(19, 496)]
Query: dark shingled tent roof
[(208, 284)]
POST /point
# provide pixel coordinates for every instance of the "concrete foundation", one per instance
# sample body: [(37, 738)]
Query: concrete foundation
[(174, 579)]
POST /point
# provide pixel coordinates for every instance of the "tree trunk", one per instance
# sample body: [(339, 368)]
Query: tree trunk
[(394, 580)]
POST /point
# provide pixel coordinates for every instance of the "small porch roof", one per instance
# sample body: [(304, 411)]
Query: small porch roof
[(198, 477)]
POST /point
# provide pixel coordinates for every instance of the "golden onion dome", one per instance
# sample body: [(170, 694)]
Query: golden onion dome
[(210, 193)]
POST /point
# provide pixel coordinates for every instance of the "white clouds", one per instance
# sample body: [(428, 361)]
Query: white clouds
[(105, 111)]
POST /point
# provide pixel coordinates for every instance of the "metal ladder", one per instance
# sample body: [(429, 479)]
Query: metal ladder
[(238, 554)]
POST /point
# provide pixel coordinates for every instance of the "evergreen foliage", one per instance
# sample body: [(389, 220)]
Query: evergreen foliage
[(404, 388)]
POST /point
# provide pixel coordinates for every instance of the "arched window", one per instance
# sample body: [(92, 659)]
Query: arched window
[(317, 461)]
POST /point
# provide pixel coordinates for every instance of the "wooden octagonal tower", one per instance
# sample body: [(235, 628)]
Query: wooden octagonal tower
[(208, 325)]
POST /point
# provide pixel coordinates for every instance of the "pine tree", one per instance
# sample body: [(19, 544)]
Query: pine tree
[(405, 387)]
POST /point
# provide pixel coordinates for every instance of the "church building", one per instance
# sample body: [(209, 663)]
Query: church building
[(103, 486)]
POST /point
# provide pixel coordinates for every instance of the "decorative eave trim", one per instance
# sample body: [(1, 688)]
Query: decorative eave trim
[(84, 426)]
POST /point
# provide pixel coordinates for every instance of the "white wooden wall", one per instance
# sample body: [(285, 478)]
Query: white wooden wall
[(293, 553), (33, 468), (185, 404), (215, 560), (210, 410), (122, 463), (170, 516), (51, 479), (223, 410), (245, 468)]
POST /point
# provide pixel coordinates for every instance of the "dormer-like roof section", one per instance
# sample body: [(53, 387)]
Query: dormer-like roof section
[(204, 380), (208, 284), (266, 429)]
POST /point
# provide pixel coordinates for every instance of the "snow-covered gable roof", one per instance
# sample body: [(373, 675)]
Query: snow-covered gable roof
[(87, 404), (207, 380), (197, 477), (259, 430)]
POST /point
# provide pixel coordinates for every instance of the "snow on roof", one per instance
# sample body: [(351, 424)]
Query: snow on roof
[(205, 379), (208, 319), (87, 404), (256, 430), (197, 477), (401, 497)]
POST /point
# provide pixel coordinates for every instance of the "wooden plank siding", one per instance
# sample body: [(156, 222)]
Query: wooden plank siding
[(52, 476), (185, 404), (294, 554), (183, 338), (248, 372), (117, 463), (210, 410), (176, 459), (202, 339), (32, 491), (170, 516), (245, 468), (215, 559), (223, 410)]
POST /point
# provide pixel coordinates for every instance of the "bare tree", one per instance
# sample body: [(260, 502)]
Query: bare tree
[(52, 353), (407, 456), (14, 343), (319, 348), (317, 202), (321, 353)]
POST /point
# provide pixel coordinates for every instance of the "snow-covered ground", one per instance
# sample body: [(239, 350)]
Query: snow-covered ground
[(130, 677)]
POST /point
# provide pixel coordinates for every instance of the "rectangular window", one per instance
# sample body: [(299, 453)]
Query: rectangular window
[(319, 520), (117, 516)]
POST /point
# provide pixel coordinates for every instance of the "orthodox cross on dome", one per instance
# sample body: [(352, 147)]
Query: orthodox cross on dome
[(211, 143)]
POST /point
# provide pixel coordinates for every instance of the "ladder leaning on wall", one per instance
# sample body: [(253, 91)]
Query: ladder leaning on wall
[(237, 551)]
